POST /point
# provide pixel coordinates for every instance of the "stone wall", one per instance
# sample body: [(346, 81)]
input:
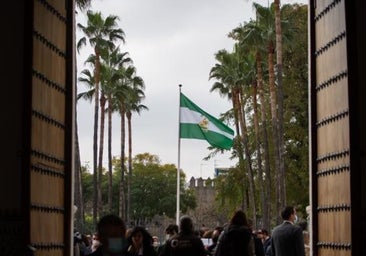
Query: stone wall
[(205, 215)]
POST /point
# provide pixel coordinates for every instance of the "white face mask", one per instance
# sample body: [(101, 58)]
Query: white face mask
[(95, 243), (167, 236), (116, 245)]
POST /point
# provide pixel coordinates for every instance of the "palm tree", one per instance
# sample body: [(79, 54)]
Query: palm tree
[(78, 194), (249, 68), (101, 34), (265, 17), (281, 148), (113, 61), (83, 4), (134, 97), (120, 94), (230, 71), (250, 36)]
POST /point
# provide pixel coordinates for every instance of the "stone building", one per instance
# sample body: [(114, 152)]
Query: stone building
[(205, 214)]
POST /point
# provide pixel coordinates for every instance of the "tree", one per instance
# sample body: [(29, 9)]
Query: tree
[(281, 147), (126, 76), (101, 34), (296, 107), (257, 37), (153, 189), (113, 61), (230, 191), (83, 4), (232, 72), (250, 36), (78, 194), (134, 97)]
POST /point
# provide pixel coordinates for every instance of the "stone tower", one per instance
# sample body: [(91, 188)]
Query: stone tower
[(205, 214)]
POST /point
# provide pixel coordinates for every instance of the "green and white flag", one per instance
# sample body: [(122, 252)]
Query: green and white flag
[(197, 124)]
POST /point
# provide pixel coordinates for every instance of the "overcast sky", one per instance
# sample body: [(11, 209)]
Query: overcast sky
[(171, 42)]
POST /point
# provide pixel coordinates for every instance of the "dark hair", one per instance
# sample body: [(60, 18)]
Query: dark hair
[(172, 229), (147, 238), (219, 228), (239, 218), (287, 212), (263, 231), (186, 225), (110, 220)]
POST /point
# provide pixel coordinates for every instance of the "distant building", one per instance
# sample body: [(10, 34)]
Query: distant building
[(220, 171), (205, 214)]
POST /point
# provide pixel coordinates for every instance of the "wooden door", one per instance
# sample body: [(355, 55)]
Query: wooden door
[(51, 127), (337, 119)]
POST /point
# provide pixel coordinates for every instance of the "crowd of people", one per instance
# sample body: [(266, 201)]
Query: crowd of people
[(234, 239)]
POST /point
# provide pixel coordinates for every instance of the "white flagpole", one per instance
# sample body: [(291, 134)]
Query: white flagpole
[(178, 169)]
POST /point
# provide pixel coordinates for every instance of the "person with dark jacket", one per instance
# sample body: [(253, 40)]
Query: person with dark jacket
[(266, 240), (287, 238), (186, 242), (139, 243), (237, 238), (170, 231), (258, 246), (111, 231), (215, 238)]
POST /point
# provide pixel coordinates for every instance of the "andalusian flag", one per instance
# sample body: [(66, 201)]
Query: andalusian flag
[(197, 124)]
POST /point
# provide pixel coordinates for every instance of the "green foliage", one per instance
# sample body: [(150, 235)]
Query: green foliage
[(232, 186), (153, 189), (296, 109), (231, 191)]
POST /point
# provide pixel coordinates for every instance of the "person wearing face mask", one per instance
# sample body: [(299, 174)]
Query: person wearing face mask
[(170, 231), (287, 238), (111, 231)]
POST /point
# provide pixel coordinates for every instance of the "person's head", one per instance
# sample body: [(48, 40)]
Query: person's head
[(207, 234), (262, 234), (172, 229), (289, 213), (239, 218), (216, 233), (139, 236), (186, 225), (156, 241), (111, 231)]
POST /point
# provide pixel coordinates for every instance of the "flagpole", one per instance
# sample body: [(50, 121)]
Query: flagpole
[(178, 169)]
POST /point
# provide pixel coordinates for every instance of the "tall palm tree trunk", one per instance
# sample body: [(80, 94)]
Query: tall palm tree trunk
[(248, 159), (273, 97), (281, 149), (267, 169), (101, 143), (78, 192), (258, 145), (95, 136), (110, 174), (239, 149), (129, 179), (122, 196)]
